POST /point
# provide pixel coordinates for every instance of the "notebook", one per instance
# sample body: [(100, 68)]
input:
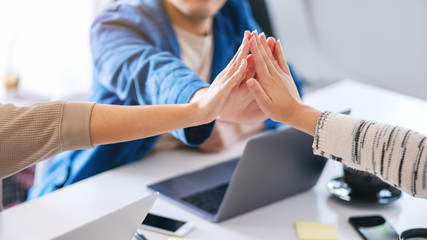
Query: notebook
[(273, 166)]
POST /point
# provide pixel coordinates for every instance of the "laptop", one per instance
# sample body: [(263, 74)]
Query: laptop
[(119, 224), (275, 165)]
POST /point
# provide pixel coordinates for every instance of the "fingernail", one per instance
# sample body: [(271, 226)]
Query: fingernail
[(242, 63), (280, 44), (250, 83), (255, 32), (252, 42), (262, 36)]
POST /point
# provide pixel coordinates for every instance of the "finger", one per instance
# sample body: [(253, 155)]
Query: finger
[(250, 69), (237, 76), (264, 41), (268, 51), (251, 63), (245, 37), (255, 33), (249, 58), (243, 48), (258, 92), (234, 65), (244, 51), (271, 41), (258, 58), (267, 60), (247, 34), (250, 72), (280, 57)]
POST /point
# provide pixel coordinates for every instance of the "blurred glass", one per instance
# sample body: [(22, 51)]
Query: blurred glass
[(11, 75), (10, 80)]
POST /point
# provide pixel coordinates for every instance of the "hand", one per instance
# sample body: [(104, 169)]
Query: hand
[(215, 99), (274, 89), (225, 134), (240, 106)]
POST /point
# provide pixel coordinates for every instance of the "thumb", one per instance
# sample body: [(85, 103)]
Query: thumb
[(258, 92)]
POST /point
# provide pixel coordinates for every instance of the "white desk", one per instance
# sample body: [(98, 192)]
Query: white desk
[(64, 209)]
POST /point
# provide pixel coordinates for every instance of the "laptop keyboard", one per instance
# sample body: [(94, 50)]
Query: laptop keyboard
[(208, 200)]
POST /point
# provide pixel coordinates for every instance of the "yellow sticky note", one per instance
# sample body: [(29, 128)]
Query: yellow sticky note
[(316, 231)]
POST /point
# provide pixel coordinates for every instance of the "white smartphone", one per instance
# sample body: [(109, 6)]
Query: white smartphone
[(166, 225)]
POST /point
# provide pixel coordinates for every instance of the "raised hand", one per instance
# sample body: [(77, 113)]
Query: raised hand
[(239, 104), (273, 87), (212, 101)]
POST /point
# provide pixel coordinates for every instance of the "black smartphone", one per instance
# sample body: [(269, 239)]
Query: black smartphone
[(166, 225), (373, 228)]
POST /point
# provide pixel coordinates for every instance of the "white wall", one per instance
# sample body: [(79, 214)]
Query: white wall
[(381, 42), (51, 49)]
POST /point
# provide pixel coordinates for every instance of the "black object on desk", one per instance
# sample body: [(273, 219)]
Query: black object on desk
[(362, 187), (414, 234)]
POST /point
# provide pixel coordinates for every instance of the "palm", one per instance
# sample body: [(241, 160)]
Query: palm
[(241, 106), (228, 94)]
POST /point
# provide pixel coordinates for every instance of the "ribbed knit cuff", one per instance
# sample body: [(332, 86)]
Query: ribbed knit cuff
[(75, 126), (333, 136), (320, 133)]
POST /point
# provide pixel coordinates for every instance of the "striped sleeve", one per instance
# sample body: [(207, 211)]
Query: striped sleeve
[(395, 154)]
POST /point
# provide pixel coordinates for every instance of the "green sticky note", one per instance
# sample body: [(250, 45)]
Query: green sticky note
[(316, 231)]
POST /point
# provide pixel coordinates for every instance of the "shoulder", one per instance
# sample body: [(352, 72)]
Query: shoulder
[(133, 12), (144, 19)]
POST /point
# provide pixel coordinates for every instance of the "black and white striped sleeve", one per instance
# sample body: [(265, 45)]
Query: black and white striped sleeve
[(395, 154)]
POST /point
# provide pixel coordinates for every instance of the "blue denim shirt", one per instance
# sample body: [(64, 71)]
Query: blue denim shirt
[(136, 60)]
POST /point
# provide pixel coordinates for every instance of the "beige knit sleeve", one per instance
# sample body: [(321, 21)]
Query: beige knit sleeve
[(395, 154), (31, 134)]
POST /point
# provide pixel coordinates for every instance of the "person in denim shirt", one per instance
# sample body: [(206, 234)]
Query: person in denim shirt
[(137, 61)]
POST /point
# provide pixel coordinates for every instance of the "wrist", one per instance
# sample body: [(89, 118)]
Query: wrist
[(198, 94), (198, 115), (203, 111), (194, 114), (304, 118)]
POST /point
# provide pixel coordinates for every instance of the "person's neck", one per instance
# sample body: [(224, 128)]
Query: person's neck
[(198, 26)]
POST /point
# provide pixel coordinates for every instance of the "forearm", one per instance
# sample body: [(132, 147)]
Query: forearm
[(111, 124), (395, 154)]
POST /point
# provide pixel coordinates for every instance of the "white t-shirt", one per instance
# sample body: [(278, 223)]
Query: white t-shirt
[(196, 53)]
